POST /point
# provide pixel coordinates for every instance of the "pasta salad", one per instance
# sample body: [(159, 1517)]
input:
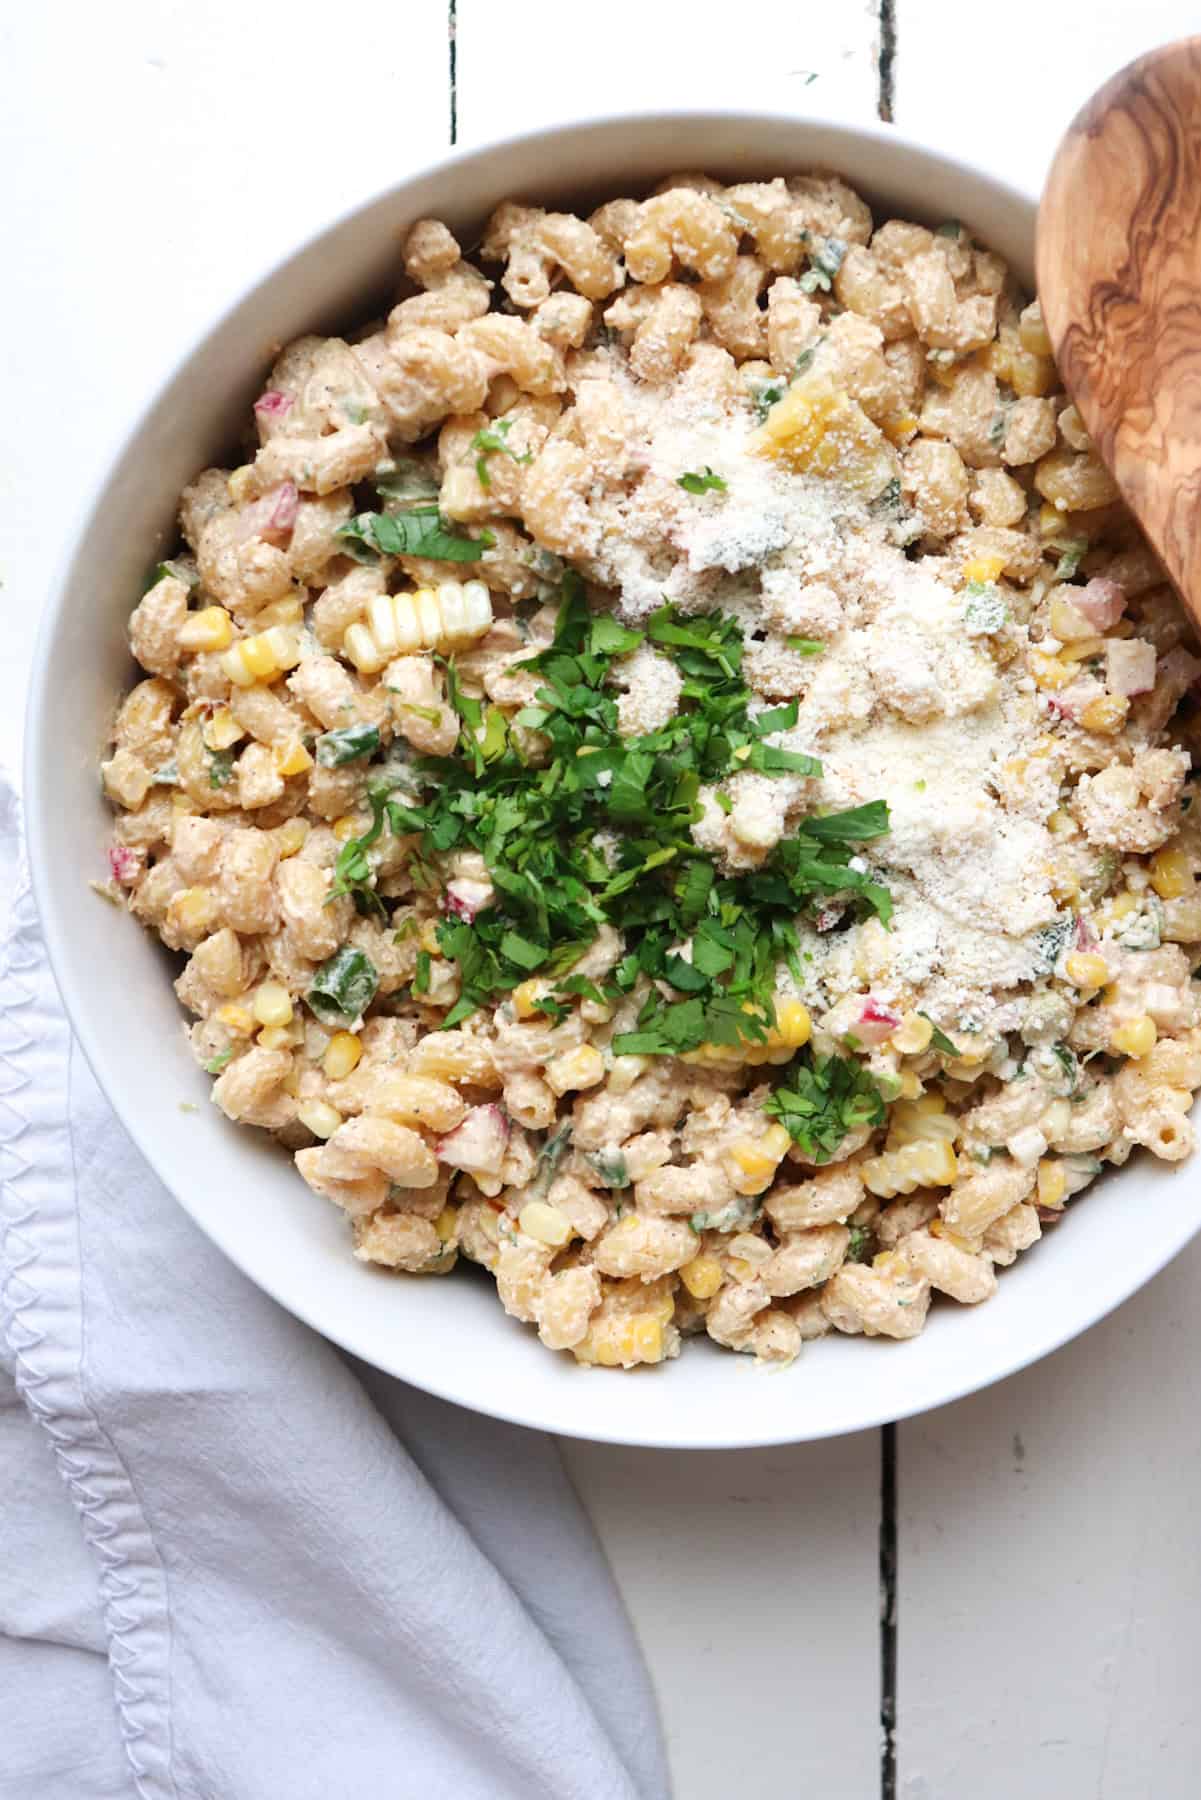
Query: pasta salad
[(667, 765)]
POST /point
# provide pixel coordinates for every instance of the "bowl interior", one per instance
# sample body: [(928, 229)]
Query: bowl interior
[(451, 1336)]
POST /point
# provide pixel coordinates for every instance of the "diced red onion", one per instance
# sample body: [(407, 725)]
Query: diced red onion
[(464, 898), (479, 1143), (272, 515), (875, 1022), (1084, 936), (125, 863), (1102, 602), (272, 404)]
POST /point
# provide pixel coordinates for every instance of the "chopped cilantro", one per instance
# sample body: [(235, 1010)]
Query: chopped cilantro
[(1073, 551), (535, 825), (343, 987), (825, 259), (406, 481), (221, 767), (421, 531), (348, 744), (859, 1247), (610, 1165), (805, 646), (215, 1064), (985, 611), (822, 1100), (695, 482), (766, 393), (492, 440), (940, 1040)]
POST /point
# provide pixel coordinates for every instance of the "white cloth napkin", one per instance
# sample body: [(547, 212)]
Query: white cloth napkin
[(311, 1581)]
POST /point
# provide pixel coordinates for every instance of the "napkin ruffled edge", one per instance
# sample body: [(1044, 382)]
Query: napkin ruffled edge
[(41, 1318)]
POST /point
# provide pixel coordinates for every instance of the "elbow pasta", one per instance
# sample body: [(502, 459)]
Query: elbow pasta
[(646, 403)]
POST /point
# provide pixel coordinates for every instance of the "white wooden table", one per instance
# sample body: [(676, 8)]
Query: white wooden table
[(1042, 1633)]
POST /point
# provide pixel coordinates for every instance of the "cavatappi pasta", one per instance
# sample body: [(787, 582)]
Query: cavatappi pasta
[(667, 768)]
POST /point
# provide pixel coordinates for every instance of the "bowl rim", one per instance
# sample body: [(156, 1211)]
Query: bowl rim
[(122, 445)]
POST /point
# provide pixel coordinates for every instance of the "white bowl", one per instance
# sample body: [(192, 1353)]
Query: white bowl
[(450, 1336)]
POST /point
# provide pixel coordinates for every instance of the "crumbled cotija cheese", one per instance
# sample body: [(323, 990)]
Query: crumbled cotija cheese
[(901, 704)]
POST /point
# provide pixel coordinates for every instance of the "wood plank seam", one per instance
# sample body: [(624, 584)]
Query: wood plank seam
[(886, 59), (888, 1612), (452, 49)]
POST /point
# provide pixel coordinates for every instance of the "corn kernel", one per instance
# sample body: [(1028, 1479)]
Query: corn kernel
[(911, 1087), (1049, 672), (262, 657), (1068, 624), (885, 1260), (1032, 332), (222, 730), (580, 1068), (319, 1117), (940, 1229), (291, 759), (625, 1072), (360, 648), (1081, 650), (257, 656), (900, 428), (342, 1055), (427, 938), (1086, 969), (527, 998), (193, 909), (290, 837), (702, 1277), (983, 568), (210, 629), (276, 1037), (755, 1160), (544, 1222), (793, 1025), (239, 483), (1134, 1037), (648, 1339), (1052, 1183), (285, 611), (428, 619), (345, 828), (1171, 874), (447, 1223), (1106, 714), (272, 1004), (238, 1019), (912, 1035)]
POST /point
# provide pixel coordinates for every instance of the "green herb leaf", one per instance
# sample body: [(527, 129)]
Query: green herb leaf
[(491, 441), (824, 1099), (1074, 550), (825, 259), (407, 480), (606, 637), (701, 482), (347, 744), (215, 1064), (420, 532), (940, 1040), (221, 768), (805, 646), (343, 987)]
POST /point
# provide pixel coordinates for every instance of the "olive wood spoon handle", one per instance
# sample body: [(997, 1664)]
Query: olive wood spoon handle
[(1119, 277)]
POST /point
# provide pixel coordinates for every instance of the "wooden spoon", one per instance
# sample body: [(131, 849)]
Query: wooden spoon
[(1119, 277)]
